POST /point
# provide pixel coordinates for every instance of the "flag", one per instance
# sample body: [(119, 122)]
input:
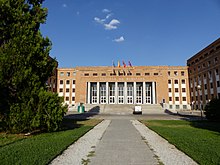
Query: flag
[(124, 64), (113, 64), (129, 63), (119, 63)]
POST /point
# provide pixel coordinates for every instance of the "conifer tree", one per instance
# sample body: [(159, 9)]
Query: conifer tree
[(25, 66)]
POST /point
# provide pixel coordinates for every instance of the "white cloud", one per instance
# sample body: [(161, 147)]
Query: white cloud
[(108, 16), (64, 5), (106, 11), (120, 39), (98, 20), (112, 24)]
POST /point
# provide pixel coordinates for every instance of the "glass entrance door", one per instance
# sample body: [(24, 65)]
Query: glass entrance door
[(148, 93), (94, 93), (120, 93), (139, 88), (130, 93), (103, 93), (111, 93)]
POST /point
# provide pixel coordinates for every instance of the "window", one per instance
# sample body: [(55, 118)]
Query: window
[(68, 74), (206, 97), (177, 107), (175, 73), (209, 63), (176, 82), (183, 81), (67, 90), (67, 81), (73, 89), (184, 98), (86, 74), (73, 98), (74, 73), (177, 98), (112, 74), (169, 81), (171, 106), (67, 98), (203, 65), (218, 84), (205, 86), (216, 59), (184, 106), (168, 73), (170, 90), (155, 74), (147, 74), (61, 81), (176, 90), (170, 98), (61, 73), (61, 90), (74, 81), (211, 85), (138, 74), (95, 74), (129, 74), (103, 74), (182, 73), (183, 90), (216, 71)]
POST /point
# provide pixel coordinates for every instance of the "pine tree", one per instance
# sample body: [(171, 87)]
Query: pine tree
[(24, 65)]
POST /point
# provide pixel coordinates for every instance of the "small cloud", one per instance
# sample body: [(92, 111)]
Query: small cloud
[(77, 13), (108, 16), (106, 11), (98, 20), (121, 39), (112, 25), (64, 5)]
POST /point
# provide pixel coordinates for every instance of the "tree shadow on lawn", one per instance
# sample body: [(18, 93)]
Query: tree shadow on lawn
[(205, 124)]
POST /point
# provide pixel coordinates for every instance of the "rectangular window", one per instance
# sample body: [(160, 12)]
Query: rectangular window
[(175, 73), (170, 98), (147, 74), (61, 74), (74, 81), (68, 74), (61, 90), (169, 81), (67, 98), (176, 90), (129, 73), (67, 90), (73, 98), (103, 74), (183, 81), (74, 73), (177, 107), (183, 90), (86, 74), (155, 74), (170, 90), (138, 74), (168, 73), (176, 82), (205, 86), (211, 85), (184, 106), (216, 71), (218, 84), (176, 98), (182, 73), (67, 81), (184, 98), (73, 89), (95, 74), (61, 81), (171, 106)]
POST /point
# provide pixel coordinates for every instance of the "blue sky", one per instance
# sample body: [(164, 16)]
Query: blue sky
[(145, 32)]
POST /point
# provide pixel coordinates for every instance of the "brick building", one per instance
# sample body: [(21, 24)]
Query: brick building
[(125, 85), (204, 70)]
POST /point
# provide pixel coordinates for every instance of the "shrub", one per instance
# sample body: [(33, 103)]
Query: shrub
[(212, 110)]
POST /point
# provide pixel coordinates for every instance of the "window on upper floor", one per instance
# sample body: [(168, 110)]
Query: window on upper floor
[(176, 90), (138, 74), (182, 73), (67, 81), (176, 98), (67, 98), (183, 81), (169, 81), (183, 90), (74, 81), (175, 73), (184, 98), (103, 74), (61, 90), (169, 89), (67, 90), (86, 74), (175, 81), (95, 74), (216, 71), (73, 90), (170, 98), (61, 74), (168, 73), (68, 74), (74, 73), (147, 74), (155, 74), (61, 81)]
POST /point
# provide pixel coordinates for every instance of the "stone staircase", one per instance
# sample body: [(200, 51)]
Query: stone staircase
[(123, 108)]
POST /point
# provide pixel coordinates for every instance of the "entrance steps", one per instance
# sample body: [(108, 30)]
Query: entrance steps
[(123, 108)]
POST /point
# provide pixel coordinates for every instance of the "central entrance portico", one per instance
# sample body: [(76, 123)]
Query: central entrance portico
[(121, 93)]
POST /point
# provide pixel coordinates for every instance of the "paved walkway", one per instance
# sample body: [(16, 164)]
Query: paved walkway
[(122, 144)]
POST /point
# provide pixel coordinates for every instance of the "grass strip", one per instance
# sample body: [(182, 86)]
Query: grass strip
[(43, 148), (198, 139)]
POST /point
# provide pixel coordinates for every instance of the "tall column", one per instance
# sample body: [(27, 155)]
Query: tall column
[(116, 92), (144, 93), (89, 93), (125, 92), (135, 93), (98, 92), (107, 95), (153, 92)]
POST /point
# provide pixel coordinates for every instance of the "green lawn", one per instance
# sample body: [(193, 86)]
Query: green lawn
[(198, 139), (42, 148)]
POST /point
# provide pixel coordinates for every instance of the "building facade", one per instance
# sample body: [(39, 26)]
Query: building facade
[(204, 68), (125, 85)]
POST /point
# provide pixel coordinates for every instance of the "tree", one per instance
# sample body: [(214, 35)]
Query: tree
[(212, 110), (24, 64)]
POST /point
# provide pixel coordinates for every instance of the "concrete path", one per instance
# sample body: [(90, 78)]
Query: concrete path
[(122, 144)]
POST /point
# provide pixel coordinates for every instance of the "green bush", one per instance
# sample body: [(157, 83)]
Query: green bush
[(212, 110)]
